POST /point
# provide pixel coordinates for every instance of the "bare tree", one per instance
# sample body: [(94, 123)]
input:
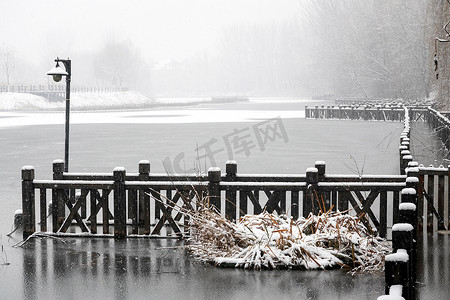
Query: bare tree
[(118, 63), (370, 48), (7, 62)]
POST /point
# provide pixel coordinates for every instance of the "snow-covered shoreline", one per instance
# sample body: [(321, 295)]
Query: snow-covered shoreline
[(90, 101)]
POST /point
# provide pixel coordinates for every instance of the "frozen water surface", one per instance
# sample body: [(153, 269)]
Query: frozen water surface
[(155, 269)]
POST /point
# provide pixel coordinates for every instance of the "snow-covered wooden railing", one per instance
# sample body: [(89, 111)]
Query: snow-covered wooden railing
[(405, 144), (355, 112), (432, 190), (433, 198), (387, 112), (58, 92), (36, 88), (401, 265), (426, 189), (380, 101), (143, 203)]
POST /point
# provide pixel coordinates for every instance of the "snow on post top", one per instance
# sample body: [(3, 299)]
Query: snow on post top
[(27, 168), (413, 164), (144, 161), (119, 169), (407, 206), (402, 227), (407, 157), (231, 162), (214, 169), (320, 162), (58, 161), (412, 169), (400, 256), (390, 297), (408, 191), (312, 170), (412, 179), (396, 291)]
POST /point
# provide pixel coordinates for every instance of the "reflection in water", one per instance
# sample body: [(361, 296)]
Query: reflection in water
[(433, 273), (30, 276), (161, 269)]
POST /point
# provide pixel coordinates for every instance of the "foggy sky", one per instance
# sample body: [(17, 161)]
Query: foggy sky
[(163, 29), (207, 47)]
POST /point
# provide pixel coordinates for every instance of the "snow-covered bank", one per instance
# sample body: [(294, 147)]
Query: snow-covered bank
[(26, 102), (78, 101), (90, 101)]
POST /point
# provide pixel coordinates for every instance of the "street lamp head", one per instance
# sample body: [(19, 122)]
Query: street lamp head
[(57, 72)]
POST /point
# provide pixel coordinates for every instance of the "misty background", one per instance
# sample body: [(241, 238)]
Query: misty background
[(191, 48)]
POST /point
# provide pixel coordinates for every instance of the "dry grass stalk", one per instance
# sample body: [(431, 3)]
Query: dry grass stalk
[(268, 241)]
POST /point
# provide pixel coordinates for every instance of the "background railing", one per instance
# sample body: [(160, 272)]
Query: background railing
[(364, 112), (58, 92), (59, 88)]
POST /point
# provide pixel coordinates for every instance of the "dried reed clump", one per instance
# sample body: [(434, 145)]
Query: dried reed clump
[(268, 241)]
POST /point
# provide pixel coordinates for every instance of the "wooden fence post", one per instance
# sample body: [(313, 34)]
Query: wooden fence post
[(405, 159), (321, 167), (405, 143), (120, 220), (396, 271), (58, 205), (412, 175), (403, 238), (400, 149), (214, 175), (28, 201), (230, 194), (403, 163), (144, 197), (309, 202), (408, 215)]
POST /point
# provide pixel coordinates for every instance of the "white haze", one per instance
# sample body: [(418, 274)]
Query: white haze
[(162, 29), (200, 48)]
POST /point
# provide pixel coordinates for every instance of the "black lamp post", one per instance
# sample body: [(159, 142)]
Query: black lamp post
[(57, 72)]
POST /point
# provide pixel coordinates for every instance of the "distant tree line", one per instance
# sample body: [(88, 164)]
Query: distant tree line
[(370, 48)]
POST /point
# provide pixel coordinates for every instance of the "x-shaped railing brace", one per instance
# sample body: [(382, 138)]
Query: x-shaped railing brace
[(167, 214), (74, 212), (272, 202), (365, 209)]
